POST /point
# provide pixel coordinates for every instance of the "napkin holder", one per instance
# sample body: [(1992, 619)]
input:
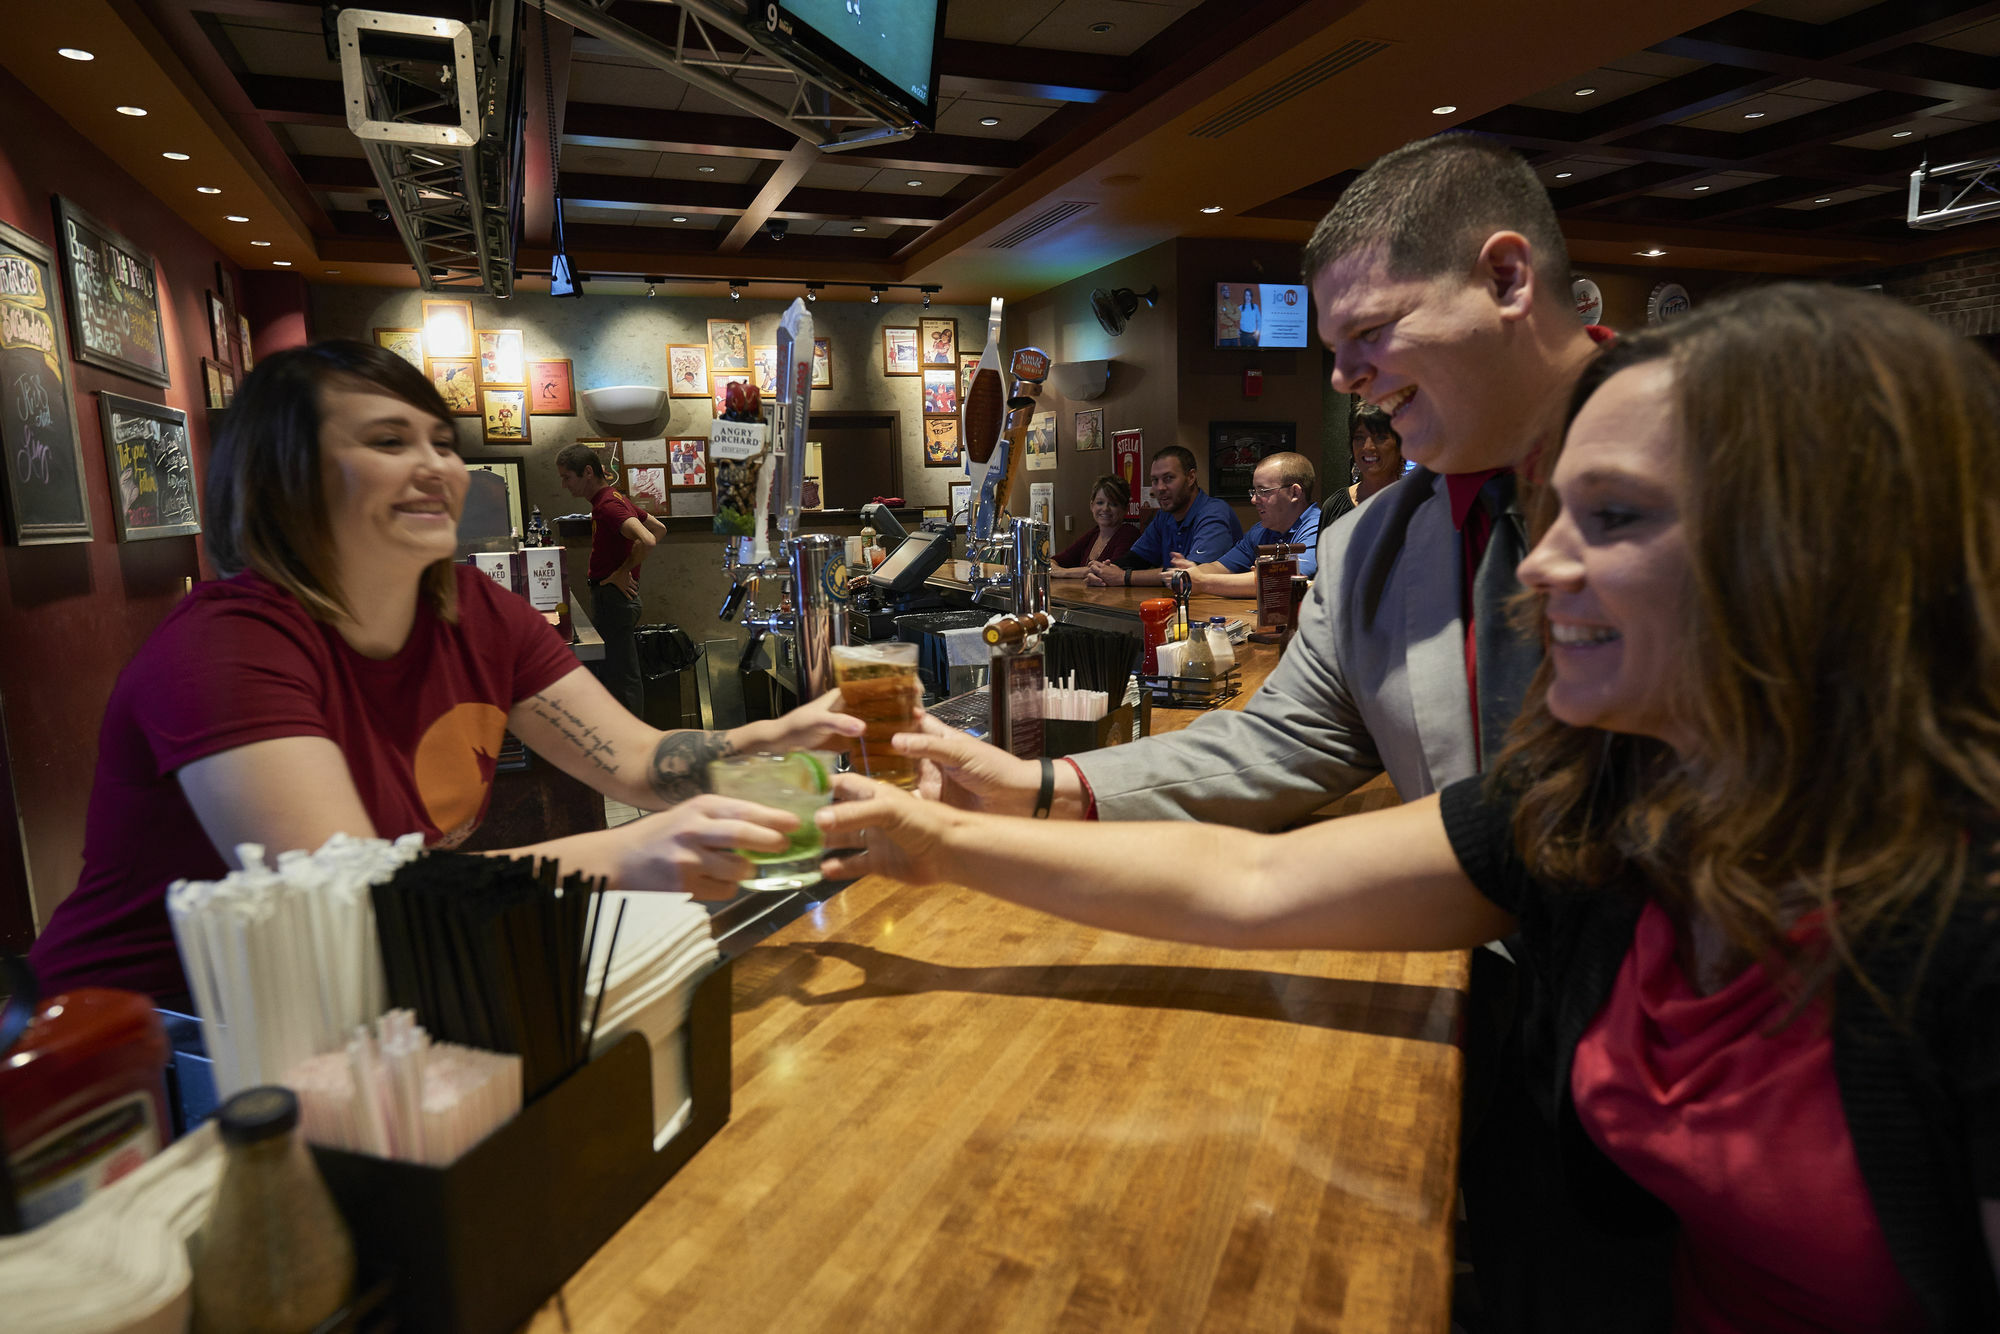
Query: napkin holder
[(1069, 736), (477, 1247)]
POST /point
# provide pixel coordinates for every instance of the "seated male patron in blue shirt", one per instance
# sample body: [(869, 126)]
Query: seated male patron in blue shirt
[(1282, 490), (1190, 523)]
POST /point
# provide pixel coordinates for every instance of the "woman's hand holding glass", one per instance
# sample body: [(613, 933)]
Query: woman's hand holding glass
[(815, 725), (693, 847)]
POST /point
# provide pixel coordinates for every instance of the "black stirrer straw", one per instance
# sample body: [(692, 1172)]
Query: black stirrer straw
[(604, 977)]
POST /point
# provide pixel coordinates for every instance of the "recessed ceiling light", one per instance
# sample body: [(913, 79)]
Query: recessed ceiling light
[(1753, 115), (1443, 111), (234, 217), (1654, 253), (74, 53), (706, 170), (989, 120), (282, 263), (208, 189), (260, 243), (175, 157), (1100, 27), (1699, 188), (1564, 175), (131, 111), (913, 181), (680, 217), (857, 228), (1902, 134), (1824, 199), (1585, 92), (1211, 208), (333, 270)]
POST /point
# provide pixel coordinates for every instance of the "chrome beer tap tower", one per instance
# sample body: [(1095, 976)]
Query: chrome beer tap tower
[(806, 572)]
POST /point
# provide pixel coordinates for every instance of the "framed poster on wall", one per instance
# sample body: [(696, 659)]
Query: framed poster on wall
[(940, 341), (43, 455), (1234, 449), (457, 381), (941, 447), (506, 415), (728, 346), (1040, 455), (551, 388), (114, 298), (899, 352), (687, 370), (1125, 447), (448, 328), (822, 377), (503, 356), (152, 470), (405, 343)]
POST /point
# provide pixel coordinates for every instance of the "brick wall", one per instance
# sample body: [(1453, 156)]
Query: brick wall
[(1961, 292)]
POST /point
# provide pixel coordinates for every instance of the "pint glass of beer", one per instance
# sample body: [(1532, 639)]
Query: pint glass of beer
[(879, 685)]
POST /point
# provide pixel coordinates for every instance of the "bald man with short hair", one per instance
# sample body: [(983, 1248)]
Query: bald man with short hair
[(1282, 491)]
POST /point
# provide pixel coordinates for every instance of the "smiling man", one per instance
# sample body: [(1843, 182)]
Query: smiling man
[(1191, 523), (1281, 488)]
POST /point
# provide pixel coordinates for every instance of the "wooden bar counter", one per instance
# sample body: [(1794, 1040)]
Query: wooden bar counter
[(951, 1113)]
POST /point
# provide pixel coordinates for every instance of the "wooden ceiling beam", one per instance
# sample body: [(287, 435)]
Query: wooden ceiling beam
[(1678, 99), (770, 195), (543, 101), (989, 68)]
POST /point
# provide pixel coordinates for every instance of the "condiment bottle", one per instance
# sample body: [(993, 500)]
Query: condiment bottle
[(1199, 660), (1156, 616), (1218, 646), (274, 1256)]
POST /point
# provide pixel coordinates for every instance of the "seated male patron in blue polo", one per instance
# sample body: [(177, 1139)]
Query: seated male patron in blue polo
[(1191, 523), (1282, 489)]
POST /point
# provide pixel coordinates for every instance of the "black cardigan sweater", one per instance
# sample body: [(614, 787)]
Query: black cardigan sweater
[(1922, 1099)]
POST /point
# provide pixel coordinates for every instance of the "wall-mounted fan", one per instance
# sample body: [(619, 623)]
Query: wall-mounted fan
[(1114, 307)]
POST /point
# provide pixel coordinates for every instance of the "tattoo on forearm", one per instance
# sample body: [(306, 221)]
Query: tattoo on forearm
[(588, 742), (680, 763)]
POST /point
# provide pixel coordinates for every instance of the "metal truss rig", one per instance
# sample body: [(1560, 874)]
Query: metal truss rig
[(1966, 192), (825, 108), (436, 106)]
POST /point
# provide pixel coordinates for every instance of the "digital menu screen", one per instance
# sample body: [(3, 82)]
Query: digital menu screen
[(1252, 315)]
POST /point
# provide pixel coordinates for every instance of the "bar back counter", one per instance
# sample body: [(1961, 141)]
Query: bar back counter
[(950, 1113)]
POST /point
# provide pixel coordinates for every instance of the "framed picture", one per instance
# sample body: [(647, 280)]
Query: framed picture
[(647, 485), (940, 393), (492, 512), (1090, 429), (940, 341), (1125, 448), (42, 477), (152, 471), (968, 364), (1234, 449), (1040, 455), (405, 343), (218, 327), (503, 357), (764, 369), (610, 457), (457, 380), (822, 363), (961, 504), (728, 346), (899, 352), (687, 462), (243, 357), (211, 375), (551, 388), (114, 298), (228, 386), (687, 370), (448, 328), (225, 285), (506, 415), (941, 448), (694, 504)]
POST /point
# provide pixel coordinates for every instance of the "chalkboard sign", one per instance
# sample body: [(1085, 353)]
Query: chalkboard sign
[(152, 470), (43, 461), (114, 298)]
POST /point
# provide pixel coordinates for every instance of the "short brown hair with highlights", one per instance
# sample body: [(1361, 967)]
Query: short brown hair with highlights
[(1430, 205), (580, 459), (1840, 653), (1111, 484), (266, 501)]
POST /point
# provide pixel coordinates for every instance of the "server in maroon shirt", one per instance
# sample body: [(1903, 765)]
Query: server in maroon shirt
[(620, 536)]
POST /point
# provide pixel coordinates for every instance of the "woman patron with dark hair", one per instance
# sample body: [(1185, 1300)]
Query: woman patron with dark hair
[(348, 677), (1111, 538), (1377, 452), (1747, 828)]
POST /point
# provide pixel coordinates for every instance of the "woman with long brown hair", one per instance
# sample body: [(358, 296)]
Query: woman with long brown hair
[(1746, 831)]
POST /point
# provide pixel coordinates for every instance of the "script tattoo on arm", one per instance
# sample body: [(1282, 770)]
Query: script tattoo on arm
[(589, 743), (680, 763)]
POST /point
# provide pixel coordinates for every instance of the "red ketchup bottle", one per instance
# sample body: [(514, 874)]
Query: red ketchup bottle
[(1156, 620), (83, 1097)]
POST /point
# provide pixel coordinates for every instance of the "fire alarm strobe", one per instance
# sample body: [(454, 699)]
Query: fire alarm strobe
[(1253, 384)]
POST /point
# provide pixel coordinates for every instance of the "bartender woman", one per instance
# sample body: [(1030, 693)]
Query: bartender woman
[(349, 676)]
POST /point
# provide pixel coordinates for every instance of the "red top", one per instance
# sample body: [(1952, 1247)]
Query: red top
[(1078, 552), (1737, 1126), (608, 545), (239, 660)]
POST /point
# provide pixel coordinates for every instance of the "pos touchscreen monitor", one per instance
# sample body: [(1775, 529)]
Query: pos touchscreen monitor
[(917, 559)]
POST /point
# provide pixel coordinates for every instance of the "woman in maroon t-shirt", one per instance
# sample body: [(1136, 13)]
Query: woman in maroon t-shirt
[(1112, 537), (349, 676)]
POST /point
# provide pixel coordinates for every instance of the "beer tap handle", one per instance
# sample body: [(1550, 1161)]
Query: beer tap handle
[(750, 648), (733, 602)]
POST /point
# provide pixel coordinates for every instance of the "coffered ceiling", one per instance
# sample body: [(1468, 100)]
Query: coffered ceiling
[(1071, 133)]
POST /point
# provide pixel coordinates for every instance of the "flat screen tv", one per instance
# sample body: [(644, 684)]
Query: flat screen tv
[(1253, 315), (890, 45)]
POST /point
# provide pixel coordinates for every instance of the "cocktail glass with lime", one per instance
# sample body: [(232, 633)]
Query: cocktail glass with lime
[(800, 782)]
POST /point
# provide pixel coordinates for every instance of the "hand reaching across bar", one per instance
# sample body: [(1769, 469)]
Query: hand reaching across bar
[(693, 847), (815, 725), (886, 831), (972, 775)]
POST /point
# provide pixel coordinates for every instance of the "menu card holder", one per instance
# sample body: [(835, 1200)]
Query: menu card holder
[(477, 1247)]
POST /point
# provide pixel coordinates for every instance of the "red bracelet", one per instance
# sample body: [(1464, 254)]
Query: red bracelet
[(1089, 797)]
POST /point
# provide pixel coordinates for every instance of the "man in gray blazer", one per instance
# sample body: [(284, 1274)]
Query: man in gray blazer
[(1441, 285)]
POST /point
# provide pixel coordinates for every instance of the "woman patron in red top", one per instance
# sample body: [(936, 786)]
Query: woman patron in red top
[(1747, 829), (348, 676), (1113, 536)]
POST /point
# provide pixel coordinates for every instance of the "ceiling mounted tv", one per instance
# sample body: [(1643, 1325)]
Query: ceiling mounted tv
[(888, 45), (1254, 315)]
